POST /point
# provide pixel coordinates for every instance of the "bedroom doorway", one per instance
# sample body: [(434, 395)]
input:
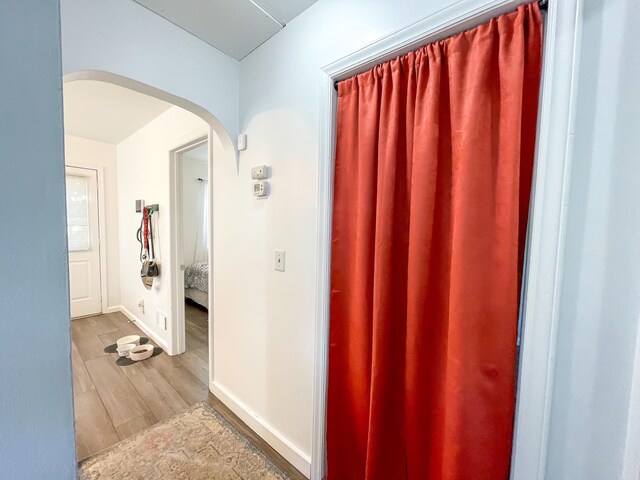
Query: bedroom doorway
[(192, 214)]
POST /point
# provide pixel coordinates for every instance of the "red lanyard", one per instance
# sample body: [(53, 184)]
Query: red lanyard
[(145, 235)]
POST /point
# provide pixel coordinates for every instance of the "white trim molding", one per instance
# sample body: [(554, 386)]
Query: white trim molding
[(102, 235), (441, 24), (273, 437), (551, 183), (631, 462), (545, 259), (182, 144), (104, 246)]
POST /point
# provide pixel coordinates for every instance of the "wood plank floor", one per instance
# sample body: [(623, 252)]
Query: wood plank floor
[(114, 402)]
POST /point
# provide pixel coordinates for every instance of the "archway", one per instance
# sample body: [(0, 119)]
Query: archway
[(216, 126), (220, 144)]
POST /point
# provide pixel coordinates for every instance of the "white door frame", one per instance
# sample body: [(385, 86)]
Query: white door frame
[(548, 211), (102, 229), (177, 340)]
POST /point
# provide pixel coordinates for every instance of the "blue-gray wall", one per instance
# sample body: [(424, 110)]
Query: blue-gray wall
[(36, 403), (600, 305)]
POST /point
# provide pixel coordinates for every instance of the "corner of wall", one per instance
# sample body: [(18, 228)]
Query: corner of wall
[(259, 425)]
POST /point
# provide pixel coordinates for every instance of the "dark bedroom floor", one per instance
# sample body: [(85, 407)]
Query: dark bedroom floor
[(196, 330)]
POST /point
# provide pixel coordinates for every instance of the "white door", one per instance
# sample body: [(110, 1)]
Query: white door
[(83, 241)]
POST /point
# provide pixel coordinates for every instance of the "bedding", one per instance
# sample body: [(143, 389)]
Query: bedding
[(198, 296), (196, 275)]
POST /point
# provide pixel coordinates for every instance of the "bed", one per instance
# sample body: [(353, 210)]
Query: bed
[(196, 283)]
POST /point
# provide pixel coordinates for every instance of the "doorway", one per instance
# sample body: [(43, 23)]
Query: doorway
[(543, 274), (192, 229), (83, 234)]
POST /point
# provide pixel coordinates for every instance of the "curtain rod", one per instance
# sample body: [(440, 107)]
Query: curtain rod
[(542, 5)]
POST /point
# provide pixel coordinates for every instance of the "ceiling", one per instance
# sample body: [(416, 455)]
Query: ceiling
[(236, 27), (106, 112)]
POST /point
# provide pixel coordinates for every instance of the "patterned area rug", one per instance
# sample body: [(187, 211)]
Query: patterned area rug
[(196, 444)]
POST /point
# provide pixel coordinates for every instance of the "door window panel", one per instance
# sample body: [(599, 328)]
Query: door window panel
[(78, 213)]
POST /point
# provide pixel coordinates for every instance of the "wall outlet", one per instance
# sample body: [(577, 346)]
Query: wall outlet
[(141, 304), (161, 320), (279, 261)]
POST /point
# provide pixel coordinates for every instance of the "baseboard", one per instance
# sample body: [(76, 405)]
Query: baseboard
[(269, 434), (143, 326), (115, 309)]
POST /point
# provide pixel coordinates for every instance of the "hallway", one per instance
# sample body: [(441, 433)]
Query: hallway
[(113, 402)]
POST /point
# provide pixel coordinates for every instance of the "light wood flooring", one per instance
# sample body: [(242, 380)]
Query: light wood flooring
[(114, 402)]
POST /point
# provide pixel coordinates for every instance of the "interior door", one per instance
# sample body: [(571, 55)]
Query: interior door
[(83, 236)]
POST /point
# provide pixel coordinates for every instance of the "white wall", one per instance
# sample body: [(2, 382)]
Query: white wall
[(124, 38), (82, 152), (144, 173), (36, 402), (600, 309), (266, 359), (192, 206)]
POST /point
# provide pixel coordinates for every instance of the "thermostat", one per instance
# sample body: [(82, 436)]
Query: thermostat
[(260, 189), (259, 172)]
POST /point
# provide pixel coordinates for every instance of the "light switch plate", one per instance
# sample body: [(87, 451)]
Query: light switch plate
[(279, 261), (161, 320)]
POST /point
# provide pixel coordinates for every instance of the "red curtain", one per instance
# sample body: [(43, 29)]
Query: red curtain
[(432, 181)]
